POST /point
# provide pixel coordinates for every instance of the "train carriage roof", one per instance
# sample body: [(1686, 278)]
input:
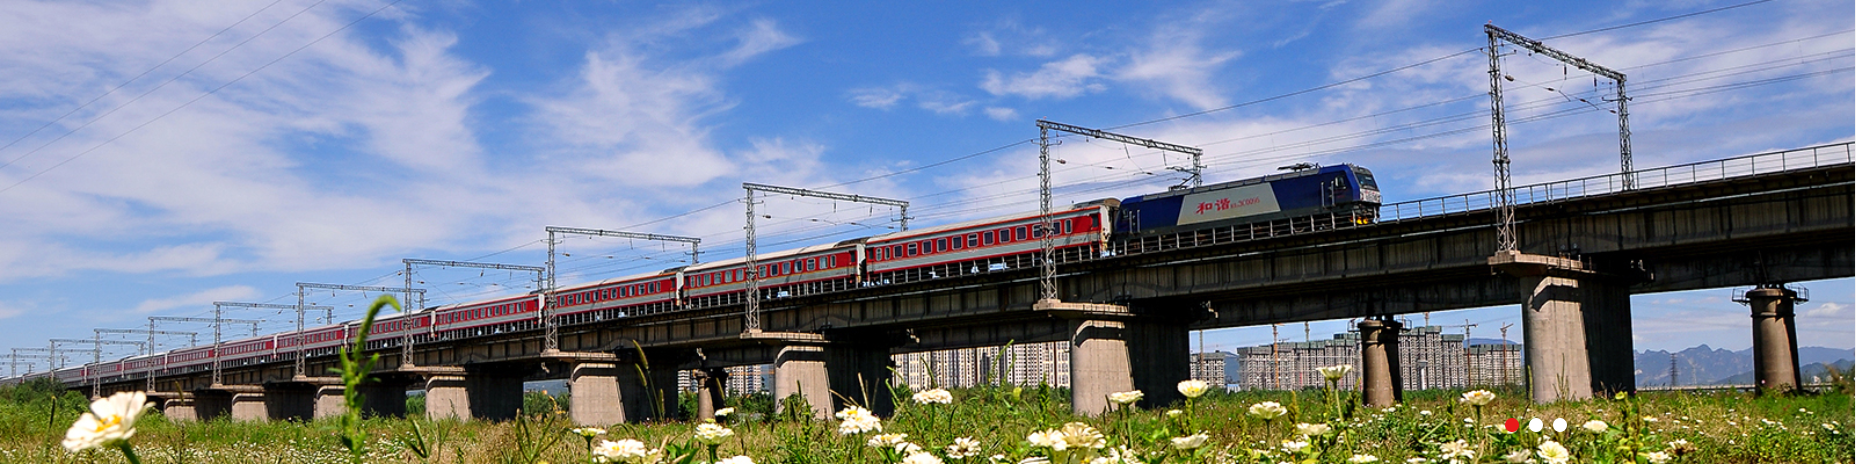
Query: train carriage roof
[(972, 223), (771, 256), (1241, 182)]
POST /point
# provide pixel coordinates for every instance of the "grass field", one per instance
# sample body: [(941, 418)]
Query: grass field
[(1013, 424)]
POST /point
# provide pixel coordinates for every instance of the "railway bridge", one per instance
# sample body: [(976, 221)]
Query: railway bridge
[(1585, 245)]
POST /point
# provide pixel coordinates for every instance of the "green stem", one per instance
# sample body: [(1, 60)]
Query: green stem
[(128, 452)]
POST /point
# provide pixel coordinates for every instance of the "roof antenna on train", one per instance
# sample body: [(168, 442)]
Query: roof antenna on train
[(1299, 166)]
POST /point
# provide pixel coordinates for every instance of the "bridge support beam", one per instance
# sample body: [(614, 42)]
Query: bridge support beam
[(1379, 370), (709, 391), (1576, 327), (1775, 339)]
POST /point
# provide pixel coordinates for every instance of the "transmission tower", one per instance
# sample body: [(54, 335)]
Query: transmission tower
[(1505, 238), (551, 333), (752, 312), (1047, 283), (302, 304)]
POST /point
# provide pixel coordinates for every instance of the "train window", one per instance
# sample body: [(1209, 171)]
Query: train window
[(986, 238), (831, 261), (1068, 227), (896, 252), (940, 245), (786, 268), (927, 247), (1005, 235), (1037, 230), (958, 244), (973, 240), (653, 287), (811, 264), (912, 249), (1018, 234)]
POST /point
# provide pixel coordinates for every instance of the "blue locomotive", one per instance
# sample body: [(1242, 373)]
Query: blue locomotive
[(1304, 191)]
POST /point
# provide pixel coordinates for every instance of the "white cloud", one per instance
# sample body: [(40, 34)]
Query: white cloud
[(983, 44), (1394, 14), (1001, 113), (945, 103), (1060, 79), (763, 36), (198, 299), (1828, 310), (876, 97), (1175, 65)]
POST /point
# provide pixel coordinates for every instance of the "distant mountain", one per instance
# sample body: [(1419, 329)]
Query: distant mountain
[(1707, 365), (1819, 369)]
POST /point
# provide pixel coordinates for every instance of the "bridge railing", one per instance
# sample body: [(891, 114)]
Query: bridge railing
[(1749, 165)]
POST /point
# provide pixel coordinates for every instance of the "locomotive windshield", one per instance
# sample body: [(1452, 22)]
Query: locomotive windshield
[(1365, 177)]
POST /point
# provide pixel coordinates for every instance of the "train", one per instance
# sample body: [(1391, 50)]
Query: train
[(1082, 231)]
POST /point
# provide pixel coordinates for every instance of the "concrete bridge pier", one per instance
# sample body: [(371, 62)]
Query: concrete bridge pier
[(709, 391), (1381, 382), (647, 385), (289, 401), (1576, 327), (799, 369), (1775, 338), (479, 395), (384, 398), (1113, 351), (179, 409), (595, 389), (329, 401), (250, 406)]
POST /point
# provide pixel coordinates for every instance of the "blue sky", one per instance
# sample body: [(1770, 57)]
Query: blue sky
[(163, 155)]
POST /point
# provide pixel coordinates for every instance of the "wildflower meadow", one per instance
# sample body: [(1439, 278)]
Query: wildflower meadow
[(42, 423)]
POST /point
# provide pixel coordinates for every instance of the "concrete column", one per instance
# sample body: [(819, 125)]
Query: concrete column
[(1608, 348), (1576, 327), (179, 409), (1577, 337), (249, 406), (800, 369), (329, 402), (709, 391), (1553, 328), (595, 389), (386, 399), (1159, 357), (446, 397), (1775, 343), (209, 404), (289, 401), (860, 372), (648, 392), (1379, 370), (1098, 364), (492, 397)]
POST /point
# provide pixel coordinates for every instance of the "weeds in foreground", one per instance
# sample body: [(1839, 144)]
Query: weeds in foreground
[(981, 425)]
